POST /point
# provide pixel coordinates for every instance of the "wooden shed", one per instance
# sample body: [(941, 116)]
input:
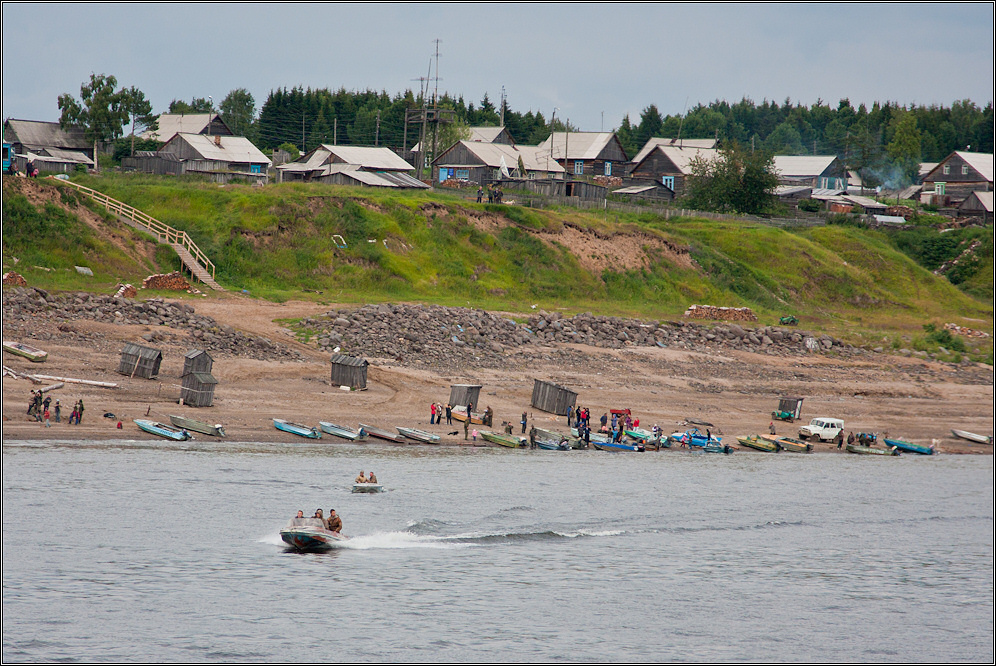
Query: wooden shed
[(139, 361), (197, 389), (552, 398), (464, 394), (197, 360), (349, 371)]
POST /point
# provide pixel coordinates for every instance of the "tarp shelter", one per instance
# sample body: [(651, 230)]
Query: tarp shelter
[(197, 360), (197, 389), (464, 394), (349, 371), (551, 398), (139, 361)]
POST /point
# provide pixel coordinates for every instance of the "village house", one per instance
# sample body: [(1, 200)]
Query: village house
[(47, 145), (171, 124), (587, 153), (816, 171), (653, 142), (221, 158), (955, 178), (477, 162), (669, 165), (350, 165), (496, 134), (978, 204)]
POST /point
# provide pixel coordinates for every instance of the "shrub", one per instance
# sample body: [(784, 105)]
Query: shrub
[(810, 205)]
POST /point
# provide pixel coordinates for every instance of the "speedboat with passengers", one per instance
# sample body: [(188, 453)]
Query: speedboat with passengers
[(308, 535)]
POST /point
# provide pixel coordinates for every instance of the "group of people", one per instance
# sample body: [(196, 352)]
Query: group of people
[(40, 404), (494, 194), (436, 411), (333, 523), (366, 479)]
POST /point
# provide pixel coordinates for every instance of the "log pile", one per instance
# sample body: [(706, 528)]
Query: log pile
[(608, 181), (126, 291), (967, 332), (723, 313), (14, 279), (168, 281), (900, 211)]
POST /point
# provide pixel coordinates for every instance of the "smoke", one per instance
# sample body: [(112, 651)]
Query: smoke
[(892, 176)]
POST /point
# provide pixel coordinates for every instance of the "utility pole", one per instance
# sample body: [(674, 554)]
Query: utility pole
[(501, 115), (377, 131), (302, 133), (335, 131)]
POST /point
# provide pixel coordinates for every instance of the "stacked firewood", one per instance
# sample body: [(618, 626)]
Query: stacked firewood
[(14, 279), (967, 332), (126, 291), (724, 313), (900, 211), (171, 281)]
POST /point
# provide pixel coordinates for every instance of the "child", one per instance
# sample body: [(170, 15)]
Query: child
[(47, 423), (474, 434)]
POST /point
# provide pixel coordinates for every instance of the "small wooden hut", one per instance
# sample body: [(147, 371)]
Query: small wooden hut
[(197, 360), (349, 371), (139, 361), (552, 398), (464, 394), (197, 389)]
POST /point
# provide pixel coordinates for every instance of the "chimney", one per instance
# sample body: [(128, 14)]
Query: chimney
[(217, 140)]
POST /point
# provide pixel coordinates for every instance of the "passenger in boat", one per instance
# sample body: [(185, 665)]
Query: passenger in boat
[(361, 478), (850, 439), (321, 516), (334, 522), (370, 479)]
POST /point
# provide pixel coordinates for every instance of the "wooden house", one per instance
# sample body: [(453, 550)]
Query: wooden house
[(47, 145), (481, 135), (653, 142), (978, 204), (552, 398), (197, 389), (956, 177), (587, 153), (465, 394), (171, 124), (649, 192), (139, 361), (220, 158), (670, 166), (349, 371), (816, 171), (478, 163), (351, 165), (197, 360)]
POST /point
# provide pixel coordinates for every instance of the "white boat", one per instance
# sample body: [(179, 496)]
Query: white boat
[(342, 431), (972, 437), (309, 535), (367, 488), (418, 435), (33, 354)]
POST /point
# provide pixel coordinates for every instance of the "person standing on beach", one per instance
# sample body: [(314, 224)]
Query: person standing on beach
[(771, 428), (449, 414), (47, 423), (432, 413), (474, 434), (850, 439), (466, 428), (58, 412), (523, 422), (532, 437), (79, 416)]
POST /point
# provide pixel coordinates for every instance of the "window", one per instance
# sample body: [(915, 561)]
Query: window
[(668, 182), (964, 169), (463, 174), (947, 169), (939, 188), (255, 168), (579, 167), (608, 168)]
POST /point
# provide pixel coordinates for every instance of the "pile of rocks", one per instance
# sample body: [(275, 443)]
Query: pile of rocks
[(15, 279), (167, 281), (38, 309), (437, 333), (968, 332), (722, 313)]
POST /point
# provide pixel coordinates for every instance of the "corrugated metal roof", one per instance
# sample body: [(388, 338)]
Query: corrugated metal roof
[(683, 143), (635, 189), (864, 202), (480, 134), (368, 157), (985, 198), (346, 359), (402, 179), (981, 162), (823, 193), (37, 134), (788, 190), (890, 219), (534, 158), (171, 124), (802, 165), (682, 157), (223, 148), (68, 155), (579, 145), (927, 167)]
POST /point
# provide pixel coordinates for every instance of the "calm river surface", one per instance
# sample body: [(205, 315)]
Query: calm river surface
[(142, 551)]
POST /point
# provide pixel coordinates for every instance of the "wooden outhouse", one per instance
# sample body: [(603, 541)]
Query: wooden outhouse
[(552, 398), (197, 360), (463, 394), (349, 371), (197, 389), (139, 361)]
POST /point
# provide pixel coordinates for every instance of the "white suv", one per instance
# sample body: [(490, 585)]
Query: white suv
[(821, 429)]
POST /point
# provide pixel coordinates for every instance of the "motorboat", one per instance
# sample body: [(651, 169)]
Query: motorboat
[(342, 431), (903, 445), (380, 433), (33, 354), (163, 430), (309, 535), (418, 435), (216, 430), (368, 488), (972, 437), (296, 428)]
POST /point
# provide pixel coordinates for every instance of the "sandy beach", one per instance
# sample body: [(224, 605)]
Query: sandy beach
[(907, 398)]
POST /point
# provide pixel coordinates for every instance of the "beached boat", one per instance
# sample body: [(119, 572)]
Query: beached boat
[(367, 488), (380, 433), (641, 435), (342, 431), (216, 430), (614, 447), (550, 440), (459, 412), (418, 435), (972, 437), (510, 441), (903, 445), (718, 447), (695, 438), (163, 430), (33, 354), (297, 429), (758, 444), (871, 451), (592, 436), (308, 535), (794, 445)]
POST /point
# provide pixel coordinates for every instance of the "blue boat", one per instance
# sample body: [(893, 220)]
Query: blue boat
[(903, 445), (612, 446), (163, 430), (695, 438), (297, 429)]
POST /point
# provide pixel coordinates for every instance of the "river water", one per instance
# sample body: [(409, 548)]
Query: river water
[(154, 551)]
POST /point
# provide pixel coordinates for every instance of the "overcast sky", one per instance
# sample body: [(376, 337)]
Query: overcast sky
[(595, 62)]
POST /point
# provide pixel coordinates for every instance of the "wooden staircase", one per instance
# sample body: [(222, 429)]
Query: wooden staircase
[(196, 261)]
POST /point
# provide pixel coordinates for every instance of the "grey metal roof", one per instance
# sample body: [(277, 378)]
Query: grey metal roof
[(890, 219), (36, 134), (680, 143), (133, 349), (223, 148), (789, 190), (985, 198), (346, 359), (534, 158), (803, 165), (577, 145), (368, 157), (635, 189)]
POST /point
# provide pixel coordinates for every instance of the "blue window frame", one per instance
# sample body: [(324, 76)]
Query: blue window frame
[(579, 167), (608, 168), (668, 182)]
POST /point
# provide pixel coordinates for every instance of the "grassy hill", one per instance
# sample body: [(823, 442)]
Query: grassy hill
[(277, 242)]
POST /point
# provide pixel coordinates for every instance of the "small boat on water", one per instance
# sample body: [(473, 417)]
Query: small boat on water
[(794, 445), (308, 535), (871, 450), (342, 431), (418, 435), (163, 430), (216, 430), (367, 488), (718, 447), (972, 437), (617, 447), (297, 429), (903, 445), (380, 433), (33, 354), (758, 444), (549, 440), (511, 441)]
